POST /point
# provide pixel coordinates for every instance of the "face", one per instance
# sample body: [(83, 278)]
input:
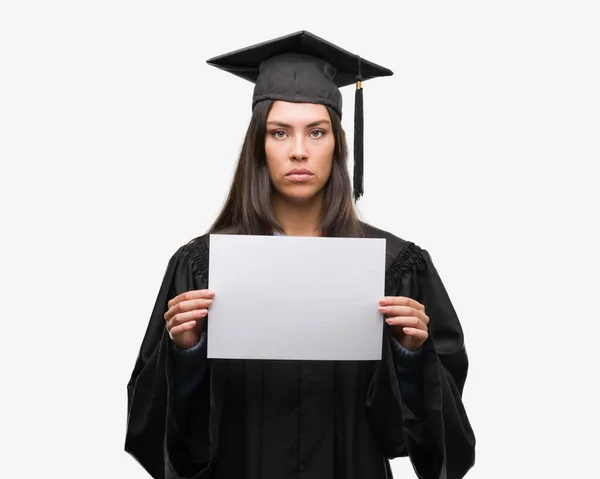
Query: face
[(299, 144)]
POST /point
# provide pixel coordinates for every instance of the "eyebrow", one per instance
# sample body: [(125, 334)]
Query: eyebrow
[(310, 125)]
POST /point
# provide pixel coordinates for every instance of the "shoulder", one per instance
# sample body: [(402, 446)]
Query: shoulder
[(193, 254), (395, 245), (393, 242), (402, 255)]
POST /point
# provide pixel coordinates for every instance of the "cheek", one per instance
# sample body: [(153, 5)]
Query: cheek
[(274, 156), (327, 158)]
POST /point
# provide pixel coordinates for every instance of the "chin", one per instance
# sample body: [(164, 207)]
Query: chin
[(299, 194)]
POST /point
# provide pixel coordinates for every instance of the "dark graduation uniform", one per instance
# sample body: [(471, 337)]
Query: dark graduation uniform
[(304, 419)]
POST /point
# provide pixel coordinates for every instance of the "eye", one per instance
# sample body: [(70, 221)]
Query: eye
[(317, 133), (278, 134)]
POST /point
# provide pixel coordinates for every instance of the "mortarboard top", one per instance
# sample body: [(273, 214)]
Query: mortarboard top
[(302, 67)]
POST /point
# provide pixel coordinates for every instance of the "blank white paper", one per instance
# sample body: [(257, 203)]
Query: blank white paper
[(303, 298)]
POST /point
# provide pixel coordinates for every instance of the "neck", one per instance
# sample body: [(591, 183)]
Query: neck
[(299, 218)]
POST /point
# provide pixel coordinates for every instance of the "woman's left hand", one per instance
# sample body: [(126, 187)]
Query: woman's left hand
[(407, 320)]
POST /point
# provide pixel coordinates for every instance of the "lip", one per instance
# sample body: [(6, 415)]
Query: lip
[(299, 175), (299, 171)]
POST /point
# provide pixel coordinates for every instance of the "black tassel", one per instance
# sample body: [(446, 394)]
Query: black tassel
[(358, 141)]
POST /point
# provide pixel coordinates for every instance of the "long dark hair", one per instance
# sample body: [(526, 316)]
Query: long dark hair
[(249, 208)]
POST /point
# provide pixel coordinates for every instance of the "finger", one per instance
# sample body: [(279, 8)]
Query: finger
[(407, 321), (185, 317), (404, 311), (188, 295), (401, 301), (186, 306), (182, 328), (416, 333), (399, 310)]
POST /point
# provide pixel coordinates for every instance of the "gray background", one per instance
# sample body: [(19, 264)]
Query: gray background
[(118, 143)]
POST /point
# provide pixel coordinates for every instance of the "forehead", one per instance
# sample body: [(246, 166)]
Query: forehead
[(292, 113)]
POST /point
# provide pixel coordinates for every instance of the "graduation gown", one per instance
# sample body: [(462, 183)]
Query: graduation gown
[(303, 419)]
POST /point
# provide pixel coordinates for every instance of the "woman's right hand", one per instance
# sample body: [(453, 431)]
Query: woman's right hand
[(186, 317)]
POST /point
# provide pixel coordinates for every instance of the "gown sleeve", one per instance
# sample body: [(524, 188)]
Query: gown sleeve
[(169, 445), (408, 366), (439, 441)]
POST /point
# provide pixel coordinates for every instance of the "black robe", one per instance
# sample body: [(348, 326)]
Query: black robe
[(304, 419)]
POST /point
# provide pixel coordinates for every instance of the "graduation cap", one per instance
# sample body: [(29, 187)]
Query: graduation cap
[(301, 67)]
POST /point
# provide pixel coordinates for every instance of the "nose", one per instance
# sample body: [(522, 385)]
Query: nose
[(299, 151)]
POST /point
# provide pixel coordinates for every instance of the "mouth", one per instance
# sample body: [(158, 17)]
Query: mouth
[(299, 175)]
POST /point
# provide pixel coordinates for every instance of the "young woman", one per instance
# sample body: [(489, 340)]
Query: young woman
[(193, 417)]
